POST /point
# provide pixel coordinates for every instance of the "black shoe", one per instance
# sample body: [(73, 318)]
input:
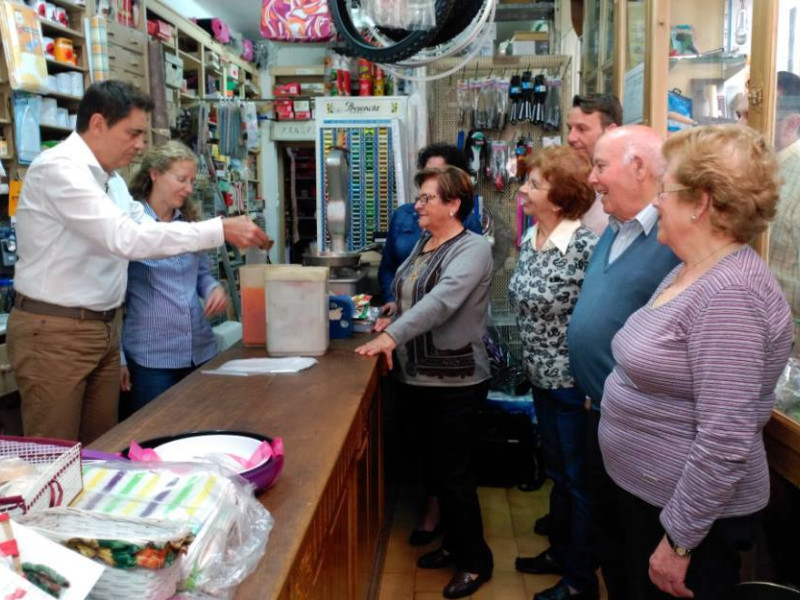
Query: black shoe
[(462, 585), (436, 559), (543, 525), (543, 564), (422, 537), (560, 591)]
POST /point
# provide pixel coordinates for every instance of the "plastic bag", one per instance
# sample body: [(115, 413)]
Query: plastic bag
[(231, 527), (787, 390), (402, 14), (296, 21)]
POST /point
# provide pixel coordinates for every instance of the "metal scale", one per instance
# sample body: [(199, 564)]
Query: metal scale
[(346, 275)]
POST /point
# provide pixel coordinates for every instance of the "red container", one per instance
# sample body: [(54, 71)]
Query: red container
[(365, 87)]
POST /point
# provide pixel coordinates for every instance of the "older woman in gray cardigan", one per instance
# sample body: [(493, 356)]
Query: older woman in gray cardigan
[(442, 293)]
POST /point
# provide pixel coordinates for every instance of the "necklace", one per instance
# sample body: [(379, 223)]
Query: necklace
[(688, 267), (432, 245), (419, 264)]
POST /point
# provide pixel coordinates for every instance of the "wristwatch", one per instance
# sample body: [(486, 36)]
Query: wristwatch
[(677, 549)]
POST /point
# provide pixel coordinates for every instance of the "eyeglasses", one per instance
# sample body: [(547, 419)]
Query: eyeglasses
[(181, 179), (665, 188), (534, 185), (424, 198)]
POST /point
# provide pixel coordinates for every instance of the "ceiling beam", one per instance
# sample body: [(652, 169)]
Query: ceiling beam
[(525, 12)]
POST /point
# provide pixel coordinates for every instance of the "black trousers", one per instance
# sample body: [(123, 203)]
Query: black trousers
[(606, 515), (715, 563), (446, 426)]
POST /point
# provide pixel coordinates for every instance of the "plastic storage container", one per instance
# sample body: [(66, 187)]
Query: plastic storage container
[(297, 310), (251, 282)]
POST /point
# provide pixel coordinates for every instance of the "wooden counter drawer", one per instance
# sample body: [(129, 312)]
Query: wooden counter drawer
[(130, 38), (119, 57), (8, 383)]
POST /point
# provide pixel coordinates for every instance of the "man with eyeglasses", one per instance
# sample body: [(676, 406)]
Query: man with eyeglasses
[(626, 266), (784, 240), (588, 119)]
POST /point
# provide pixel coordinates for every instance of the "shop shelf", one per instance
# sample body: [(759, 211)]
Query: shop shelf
[(64, 66), (56, 128), (48, 25)]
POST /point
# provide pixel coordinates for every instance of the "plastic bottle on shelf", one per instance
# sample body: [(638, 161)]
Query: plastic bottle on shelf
[(379, 85)]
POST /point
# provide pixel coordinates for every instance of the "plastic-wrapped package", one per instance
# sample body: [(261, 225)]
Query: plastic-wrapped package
[(23, 48), (230, 526), (414, 15), (787, 390)]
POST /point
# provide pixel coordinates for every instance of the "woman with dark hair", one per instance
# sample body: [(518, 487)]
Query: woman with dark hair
[(435, 343), (404, 233), (404, 229), (163, 298)]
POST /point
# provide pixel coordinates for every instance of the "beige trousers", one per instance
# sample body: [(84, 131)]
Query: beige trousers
[(68, 374)]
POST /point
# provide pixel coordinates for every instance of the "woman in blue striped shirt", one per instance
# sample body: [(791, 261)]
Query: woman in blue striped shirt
[(165, 335)]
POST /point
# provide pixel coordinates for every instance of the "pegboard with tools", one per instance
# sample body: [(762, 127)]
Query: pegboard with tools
[(500, 109)]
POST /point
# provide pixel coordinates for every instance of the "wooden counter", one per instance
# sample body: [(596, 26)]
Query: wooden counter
[(328, 502), (782, 441)]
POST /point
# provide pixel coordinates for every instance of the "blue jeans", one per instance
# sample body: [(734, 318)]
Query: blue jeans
[(147, 383), (563, 422)]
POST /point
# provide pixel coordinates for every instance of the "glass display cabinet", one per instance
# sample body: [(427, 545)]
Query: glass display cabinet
[(599, 65)]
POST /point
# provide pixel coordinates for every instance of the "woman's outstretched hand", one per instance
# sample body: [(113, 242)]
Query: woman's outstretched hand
[(383, 344)]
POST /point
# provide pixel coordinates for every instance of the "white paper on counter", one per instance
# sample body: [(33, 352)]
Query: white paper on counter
[(263, 366)]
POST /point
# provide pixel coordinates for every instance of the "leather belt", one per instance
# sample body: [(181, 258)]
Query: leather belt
[(38, 307)]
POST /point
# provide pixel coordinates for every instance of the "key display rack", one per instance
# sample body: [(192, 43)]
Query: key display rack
[(376, 163)]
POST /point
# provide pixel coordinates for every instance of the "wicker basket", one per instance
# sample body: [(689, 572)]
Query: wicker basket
[(60, 481), (63, 524)]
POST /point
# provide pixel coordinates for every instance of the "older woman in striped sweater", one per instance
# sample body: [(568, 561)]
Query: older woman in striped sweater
[(683, 410)]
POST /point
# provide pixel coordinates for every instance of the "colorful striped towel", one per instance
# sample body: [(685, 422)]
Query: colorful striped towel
[(199, 496), (99, 43)]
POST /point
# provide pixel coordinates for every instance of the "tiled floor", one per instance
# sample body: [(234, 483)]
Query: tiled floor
[(508, 516)]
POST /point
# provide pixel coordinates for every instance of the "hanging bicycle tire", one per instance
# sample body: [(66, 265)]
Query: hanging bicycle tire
[(355, 44), (459, 20)]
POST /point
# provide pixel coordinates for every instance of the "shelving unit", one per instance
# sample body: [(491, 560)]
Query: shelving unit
[(49, 132), (300, 212), (298, 136)]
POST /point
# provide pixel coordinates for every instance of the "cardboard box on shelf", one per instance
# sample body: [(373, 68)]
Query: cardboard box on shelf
[(530, 43), (173, 70)]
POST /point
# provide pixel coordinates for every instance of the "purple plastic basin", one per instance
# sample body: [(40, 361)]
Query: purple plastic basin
[(262, 476)]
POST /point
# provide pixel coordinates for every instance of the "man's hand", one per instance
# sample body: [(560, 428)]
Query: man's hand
[(668, 570), (216, 302), (243, 233), (124, 378)]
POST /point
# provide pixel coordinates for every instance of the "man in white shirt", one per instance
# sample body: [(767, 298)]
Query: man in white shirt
[(588, 119), (77, 228)]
